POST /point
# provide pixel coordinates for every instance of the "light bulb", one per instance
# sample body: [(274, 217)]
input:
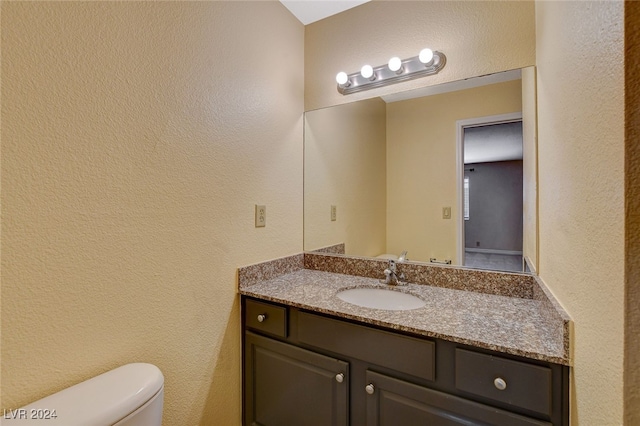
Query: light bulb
[(426, 56), (367, 72), (395, 64), (342, 78)]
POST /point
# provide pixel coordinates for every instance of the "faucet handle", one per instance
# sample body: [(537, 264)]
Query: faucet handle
[(392, 265)]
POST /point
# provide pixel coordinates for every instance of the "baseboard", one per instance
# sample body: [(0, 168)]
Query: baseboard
[(529, 266), (494, 251)]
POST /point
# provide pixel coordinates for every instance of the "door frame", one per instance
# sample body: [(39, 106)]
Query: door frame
[(460, 126)]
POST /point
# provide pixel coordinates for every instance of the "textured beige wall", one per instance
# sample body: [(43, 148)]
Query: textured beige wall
[(581, 189), (345, 165), (421, 165), (530, 167), (136, 139), (632, 194), (477, 37)]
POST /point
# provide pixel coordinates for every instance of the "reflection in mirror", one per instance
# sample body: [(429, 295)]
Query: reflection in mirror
[(492, 198), (386, 175)]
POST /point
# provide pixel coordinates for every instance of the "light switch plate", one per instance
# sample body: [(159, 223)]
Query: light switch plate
[(446, 212), (333, 213), (261, 216)]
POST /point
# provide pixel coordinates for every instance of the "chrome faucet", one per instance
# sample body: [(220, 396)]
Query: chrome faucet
[(391, 274)]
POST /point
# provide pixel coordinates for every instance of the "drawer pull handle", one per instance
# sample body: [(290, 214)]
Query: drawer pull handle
[(370, 389), (500, 384), (339, 377), (262, 317)]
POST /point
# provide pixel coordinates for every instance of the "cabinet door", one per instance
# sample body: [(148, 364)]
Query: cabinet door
[(287, 385), (392, 402)]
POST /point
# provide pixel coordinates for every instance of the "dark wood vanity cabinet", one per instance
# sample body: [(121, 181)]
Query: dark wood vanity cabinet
[(303, 368), (396, 402), (294, 386)]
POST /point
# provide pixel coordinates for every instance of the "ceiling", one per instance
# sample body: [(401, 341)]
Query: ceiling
[(308, 11), (496, 142)]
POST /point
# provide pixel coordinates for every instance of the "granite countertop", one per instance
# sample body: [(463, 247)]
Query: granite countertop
[(513, 325)]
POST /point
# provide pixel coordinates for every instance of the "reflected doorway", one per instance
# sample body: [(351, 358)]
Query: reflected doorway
[(492, 192)]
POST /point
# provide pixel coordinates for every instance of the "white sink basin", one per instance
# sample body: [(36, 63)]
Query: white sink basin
[(380, 298)]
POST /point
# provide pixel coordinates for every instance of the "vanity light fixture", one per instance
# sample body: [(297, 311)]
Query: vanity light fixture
[(395, 65), (428, 62), (367, 72), (426, 56), (343, 79)]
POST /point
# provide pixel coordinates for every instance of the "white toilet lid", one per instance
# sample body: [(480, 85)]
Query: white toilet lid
[(99, 401)]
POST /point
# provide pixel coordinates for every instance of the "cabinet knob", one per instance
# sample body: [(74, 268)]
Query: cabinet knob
[(339, 377), (370, 389), (500, 383), (262, 317)]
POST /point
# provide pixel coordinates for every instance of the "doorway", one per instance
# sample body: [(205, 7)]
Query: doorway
[(491, 189)]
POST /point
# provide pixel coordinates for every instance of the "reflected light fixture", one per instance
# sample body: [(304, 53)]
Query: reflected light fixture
[(427, 62)]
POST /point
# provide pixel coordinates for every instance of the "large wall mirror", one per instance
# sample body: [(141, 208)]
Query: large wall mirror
[(444, 174)]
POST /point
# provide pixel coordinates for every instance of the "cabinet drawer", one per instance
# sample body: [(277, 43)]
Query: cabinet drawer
[(266, 318), (392, 402), (516, 383), (401, 353)]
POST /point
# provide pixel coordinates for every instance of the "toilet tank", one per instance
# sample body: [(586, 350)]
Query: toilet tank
[(130, 395)]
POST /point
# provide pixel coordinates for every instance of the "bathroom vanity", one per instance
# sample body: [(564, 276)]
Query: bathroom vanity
[(466, 357)]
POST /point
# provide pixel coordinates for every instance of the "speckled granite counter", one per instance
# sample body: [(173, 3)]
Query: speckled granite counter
[(528, 325)]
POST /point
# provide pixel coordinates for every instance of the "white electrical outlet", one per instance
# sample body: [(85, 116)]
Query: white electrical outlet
[(333, 213), (261, 216)]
